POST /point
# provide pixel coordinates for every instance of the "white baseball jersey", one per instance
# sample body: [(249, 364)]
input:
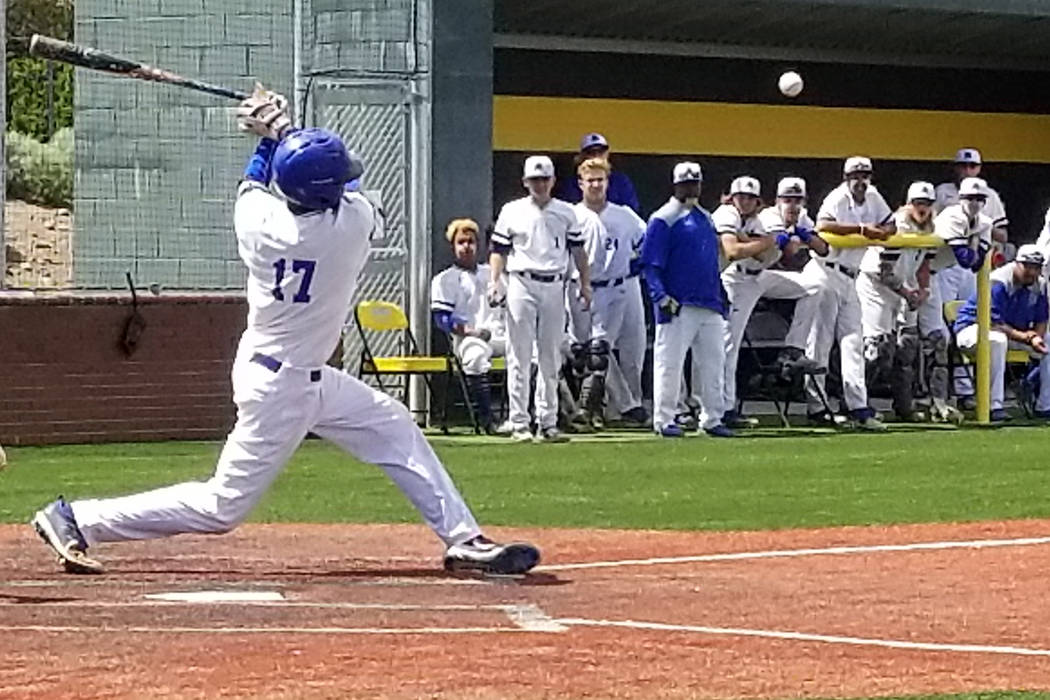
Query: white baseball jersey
[(840, 207), (1044, 242), (955, 227), (302, 272), (905, 261), (727, 219), (772, 220), (610, 239), (538, 236), (461, 292), (948, 194)]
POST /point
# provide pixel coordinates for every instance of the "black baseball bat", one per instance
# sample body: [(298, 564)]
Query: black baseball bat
[(87, 57)]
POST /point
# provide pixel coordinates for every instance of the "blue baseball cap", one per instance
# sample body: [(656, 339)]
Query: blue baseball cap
[(592, 140)]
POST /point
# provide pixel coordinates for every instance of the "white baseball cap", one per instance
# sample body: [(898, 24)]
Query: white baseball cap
[(538, 166), (791, 187), (968, 155), (856, 164), (1029, 254), (921, 190), (746, 185), (973, 187), (687, 171)]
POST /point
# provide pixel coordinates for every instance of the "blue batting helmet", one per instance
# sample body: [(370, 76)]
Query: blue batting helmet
[(312, 166)]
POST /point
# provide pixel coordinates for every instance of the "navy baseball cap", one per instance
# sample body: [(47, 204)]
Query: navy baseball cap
[(592, 140)]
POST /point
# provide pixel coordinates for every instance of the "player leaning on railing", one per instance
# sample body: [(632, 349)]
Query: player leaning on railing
[(304, 236)]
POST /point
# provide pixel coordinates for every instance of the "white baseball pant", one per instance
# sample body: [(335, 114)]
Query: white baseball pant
[(624, 380), (744, 290), (880, 306), (702, 330), (535, 319), (839, 319), (275, 410), (605, 317), (476, 354), (999, 344)]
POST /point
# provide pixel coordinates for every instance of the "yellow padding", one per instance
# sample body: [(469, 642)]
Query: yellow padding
[(381, 316), (499, 364), (897, 240), (404, 365)]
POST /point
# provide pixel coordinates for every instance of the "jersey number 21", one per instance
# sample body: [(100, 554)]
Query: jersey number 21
[(304, 266)]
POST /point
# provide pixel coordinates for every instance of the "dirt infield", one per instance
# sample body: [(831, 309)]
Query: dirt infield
[(337, 611)]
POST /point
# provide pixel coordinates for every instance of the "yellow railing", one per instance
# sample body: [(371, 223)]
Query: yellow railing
[(984, 302)]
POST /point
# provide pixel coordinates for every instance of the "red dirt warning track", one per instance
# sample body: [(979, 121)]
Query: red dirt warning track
[(365, 612)]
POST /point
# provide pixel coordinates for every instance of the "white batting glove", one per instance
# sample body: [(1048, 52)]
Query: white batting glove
[(264, 114)]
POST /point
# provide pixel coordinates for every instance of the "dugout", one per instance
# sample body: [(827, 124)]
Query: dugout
[(906, 82)]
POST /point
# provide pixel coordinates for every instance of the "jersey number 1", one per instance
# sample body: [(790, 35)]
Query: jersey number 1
[(304, 266)]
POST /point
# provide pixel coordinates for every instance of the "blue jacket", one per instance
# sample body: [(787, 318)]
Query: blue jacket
[(1020, 308), (621, 191), (680, 256)]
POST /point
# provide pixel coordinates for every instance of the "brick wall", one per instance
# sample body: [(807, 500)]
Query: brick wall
[(64, 377)]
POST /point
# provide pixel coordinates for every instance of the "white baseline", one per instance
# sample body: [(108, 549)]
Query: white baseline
[(783, 553), (804, 637)]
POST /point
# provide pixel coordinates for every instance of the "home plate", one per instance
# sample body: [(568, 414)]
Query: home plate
[(218, 596)]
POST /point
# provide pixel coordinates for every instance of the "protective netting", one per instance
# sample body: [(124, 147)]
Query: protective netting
[(156, 166), (151, 169)]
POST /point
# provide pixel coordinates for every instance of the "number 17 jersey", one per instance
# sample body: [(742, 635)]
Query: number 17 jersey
[(302, 273)]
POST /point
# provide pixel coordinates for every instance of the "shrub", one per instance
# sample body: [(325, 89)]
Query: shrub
[(41, 173)]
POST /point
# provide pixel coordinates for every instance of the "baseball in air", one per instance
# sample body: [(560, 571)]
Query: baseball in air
[(790, 84)]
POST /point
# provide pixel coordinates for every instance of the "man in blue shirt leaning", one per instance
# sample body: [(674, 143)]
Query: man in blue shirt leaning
[(680, 259), (621, 189), (1019, 320)]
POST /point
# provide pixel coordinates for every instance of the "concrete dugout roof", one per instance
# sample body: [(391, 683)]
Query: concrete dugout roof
[(994, 34)]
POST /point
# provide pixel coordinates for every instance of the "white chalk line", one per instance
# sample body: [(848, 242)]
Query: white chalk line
[(785, 553), (87, 604), (261, 630), (806, 637)]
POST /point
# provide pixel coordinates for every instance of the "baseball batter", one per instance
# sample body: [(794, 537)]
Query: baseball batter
[(532, 241), (681, 261), (855, 206), (751, 249), (459, 307), (305, 241), (615, 233)]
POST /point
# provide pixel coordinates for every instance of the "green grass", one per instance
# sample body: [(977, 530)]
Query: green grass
[(989, 695), (782, 480)]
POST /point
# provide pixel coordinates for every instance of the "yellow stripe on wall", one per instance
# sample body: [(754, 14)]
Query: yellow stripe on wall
[(546, 124)]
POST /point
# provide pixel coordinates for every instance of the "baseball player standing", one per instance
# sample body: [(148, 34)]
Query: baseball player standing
[(304, 250), (624, 380), (620, 189), (968, 163), (459, 307), (532, 240), (614, 235), (890, 295), (681, 260), (855, 206), (750, 250)]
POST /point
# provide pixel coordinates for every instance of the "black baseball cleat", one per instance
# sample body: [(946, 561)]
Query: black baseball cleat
[(482, 554), (57, 527)]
